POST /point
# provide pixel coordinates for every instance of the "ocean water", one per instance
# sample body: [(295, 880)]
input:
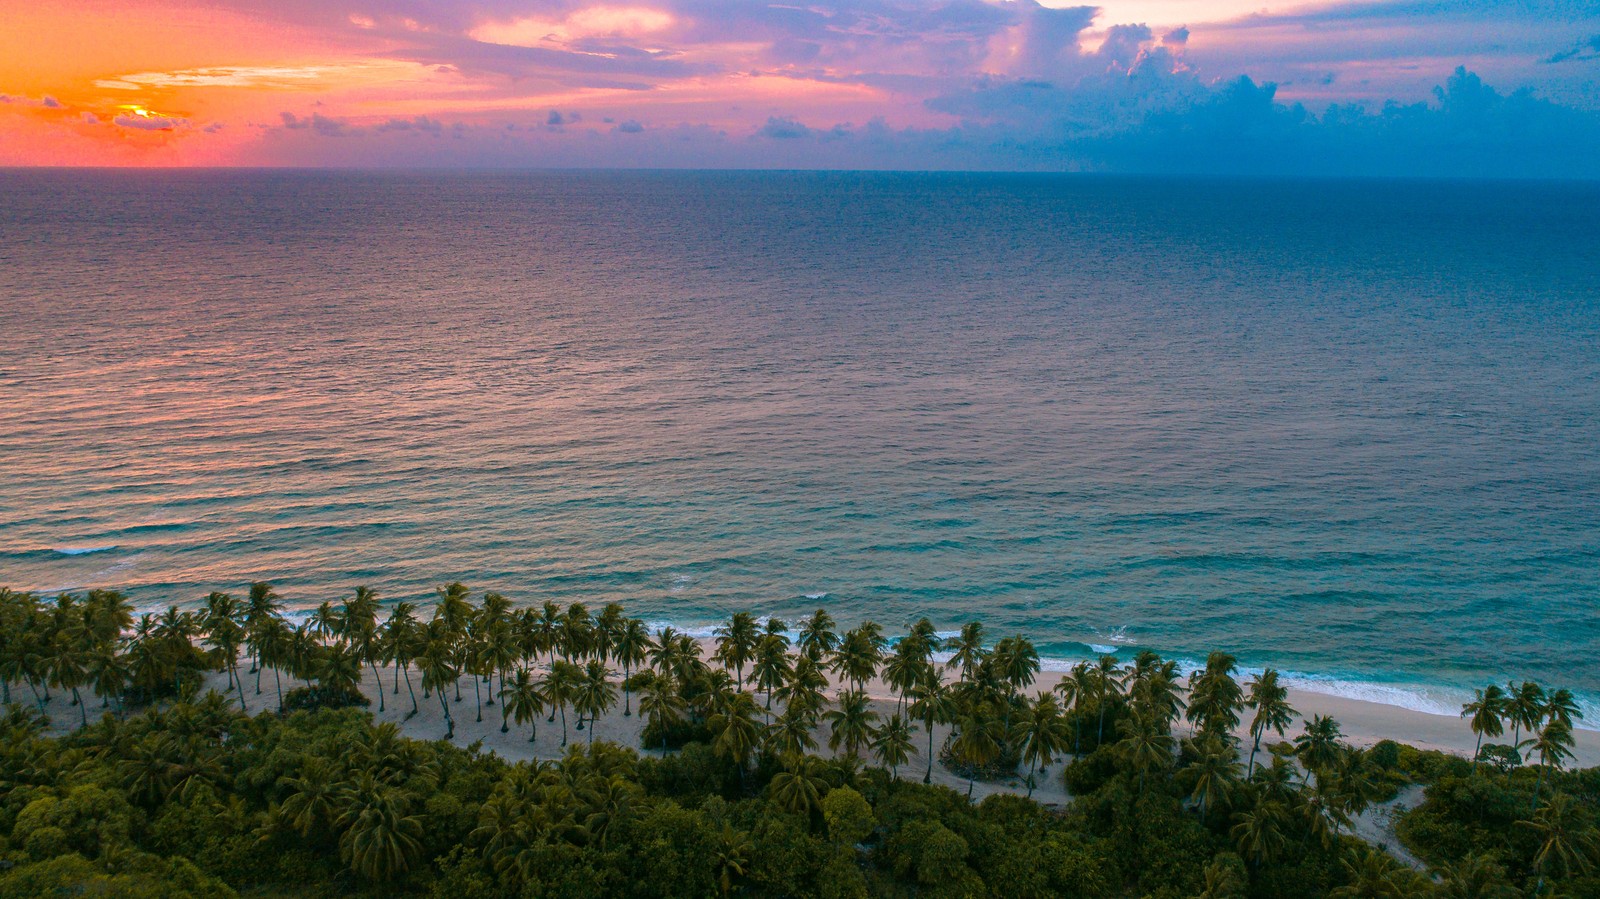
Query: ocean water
[(1348, 429)]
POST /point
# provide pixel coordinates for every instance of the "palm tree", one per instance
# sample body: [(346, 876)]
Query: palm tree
[(932, 703), (1105, 684), (1562, 706), (857, 657), (736, 643), (1524, 708), (438, 671), (1564, 842), (595, 694), (791, 733), (903, 669), (1318, 746), (817, 638), (772, 665), (850, 725), (1485, 711), (798, 787), (398, 646), (1215, 772), (734, 850), (311, 800), (380, 839), (1042, 734), (662, 706), (523, 701), (891, 743), (1554, 746), (1476, 877), (736, 732), (1145, 745), (562, 688), (630, 649), (1215, 698), (969, 649), (1371, 874), (1018, 662), (1259, 833), (1270, 700), (361, 630), (977, 741)]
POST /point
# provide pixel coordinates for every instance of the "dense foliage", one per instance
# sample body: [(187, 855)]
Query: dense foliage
[(194, 796)]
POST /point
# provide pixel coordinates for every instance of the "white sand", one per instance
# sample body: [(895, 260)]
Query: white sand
[(1363, 723)]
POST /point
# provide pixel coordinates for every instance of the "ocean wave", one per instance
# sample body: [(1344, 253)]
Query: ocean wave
[(81, 550)]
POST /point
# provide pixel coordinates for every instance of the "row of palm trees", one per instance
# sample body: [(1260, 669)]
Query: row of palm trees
[(763, 689)]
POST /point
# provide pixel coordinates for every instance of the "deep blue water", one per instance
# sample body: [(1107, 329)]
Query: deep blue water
[(1344, 428)]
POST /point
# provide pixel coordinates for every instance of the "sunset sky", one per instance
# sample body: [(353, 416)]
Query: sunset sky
[(1496, 87)]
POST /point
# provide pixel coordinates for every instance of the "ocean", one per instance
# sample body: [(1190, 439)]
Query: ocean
[(1344, 428)]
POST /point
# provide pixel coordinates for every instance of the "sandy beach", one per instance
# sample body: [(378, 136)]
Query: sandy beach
[(1363, 723)]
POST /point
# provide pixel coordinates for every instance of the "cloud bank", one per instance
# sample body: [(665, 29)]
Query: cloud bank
[(1387, 88)]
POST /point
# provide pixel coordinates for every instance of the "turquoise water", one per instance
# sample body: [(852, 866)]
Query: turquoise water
[(1344, 428)]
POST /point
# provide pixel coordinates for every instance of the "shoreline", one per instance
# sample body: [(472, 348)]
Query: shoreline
[(1362, 722)]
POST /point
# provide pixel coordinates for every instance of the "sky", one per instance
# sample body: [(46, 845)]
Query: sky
[(1454, 88)]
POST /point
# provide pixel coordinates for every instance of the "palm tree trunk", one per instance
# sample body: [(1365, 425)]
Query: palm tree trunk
[(478, 698), (84, 716), (412, 692), (398, 664), (563, 724), (378, 681), (1251, 768), (278, 679), (240, 682), (627, 706), (449, 722), (927, 776)]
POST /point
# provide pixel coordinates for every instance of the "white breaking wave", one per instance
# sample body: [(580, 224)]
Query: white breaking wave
[(82, 550)]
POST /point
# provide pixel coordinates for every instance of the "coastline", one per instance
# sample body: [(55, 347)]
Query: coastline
[(1362, 722)]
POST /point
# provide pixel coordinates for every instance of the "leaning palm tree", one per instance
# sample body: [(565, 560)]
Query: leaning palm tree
[(438, 672), (523, 701), (734, 850), (1560, 705), (1554, 747), (1270, 700), (891, 743), (1524, 707), (1485, 711)]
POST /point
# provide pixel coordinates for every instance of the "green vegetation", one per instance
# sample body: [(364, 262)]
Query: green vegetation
[(261, 791)]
